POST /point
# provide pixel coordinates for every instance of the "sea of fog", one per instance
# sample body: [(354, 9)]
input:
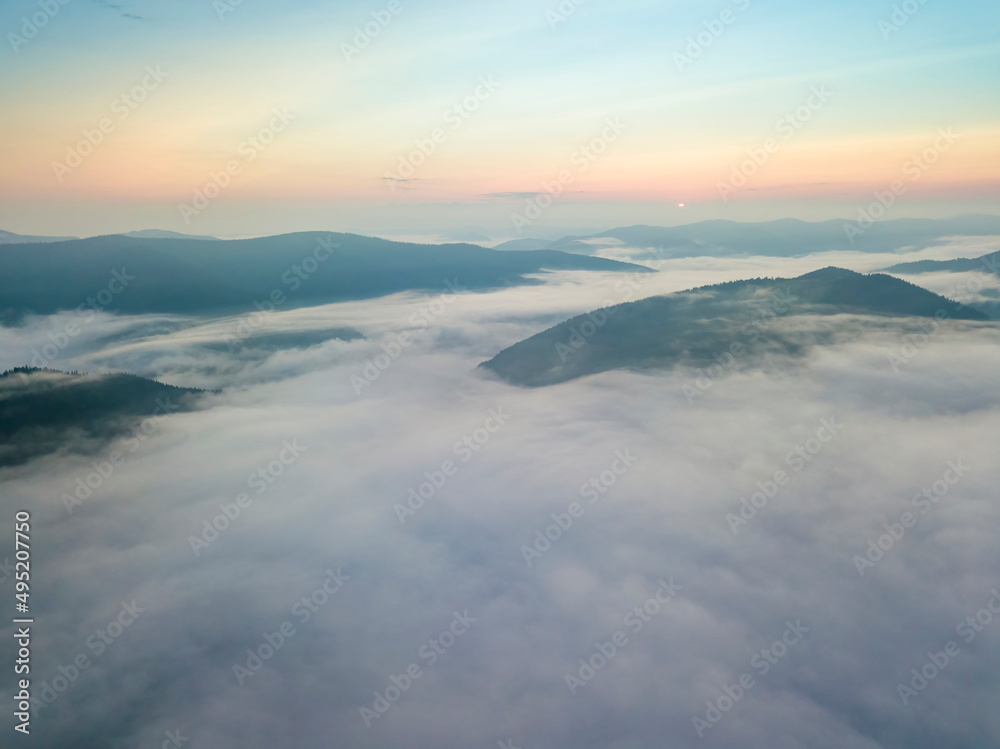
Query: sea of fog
[(371, 543)]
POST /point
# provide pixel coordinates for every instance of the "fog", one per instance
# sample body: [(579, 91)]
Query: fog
[(313, 452)]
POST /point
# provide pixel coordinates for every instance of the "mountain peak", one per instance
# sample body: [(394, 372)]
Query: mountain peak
[(693, 327), (830, 273)]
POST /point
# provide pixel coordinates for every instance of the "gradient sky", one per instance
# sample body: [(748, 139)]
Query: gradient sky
[(685, 129)]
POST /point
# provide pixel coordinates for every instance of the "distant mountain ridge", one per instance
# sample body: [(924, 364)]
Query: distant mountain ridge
[(162, 234), (698, 326), (989, 263), (9, 237), (140, 275), (781, 238)]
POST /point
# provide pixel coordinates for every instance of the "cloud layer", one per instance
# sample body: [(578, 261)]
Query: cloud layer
[(615, 488)]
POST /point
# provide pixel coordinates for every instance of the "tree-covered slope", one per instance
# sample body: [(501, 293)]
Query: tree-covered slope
[(43, 410), (700, 326), (141, 275)]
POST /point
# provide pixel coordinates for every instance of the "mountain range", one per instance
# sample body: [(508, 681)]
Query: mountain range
[(143, 275), (735, 323), (9, 237), (987, 263), (783, 238)]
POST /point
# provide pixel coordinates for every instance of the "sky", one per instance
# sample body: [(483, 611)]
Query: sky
[(457, 117)]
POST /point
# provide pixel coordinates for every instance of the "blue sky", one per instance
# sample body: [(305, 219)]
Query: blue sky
[(688, 123)]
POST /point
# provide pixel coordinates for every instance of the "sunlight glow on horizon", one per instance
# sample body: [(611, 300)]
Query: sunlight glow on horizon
[(688, 126)]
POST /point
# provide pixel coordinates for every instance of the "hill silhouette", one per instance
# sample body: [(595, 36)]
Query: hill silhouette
[(699, 326), (45, 410), (143, 275), (989, 263), (781, 238)]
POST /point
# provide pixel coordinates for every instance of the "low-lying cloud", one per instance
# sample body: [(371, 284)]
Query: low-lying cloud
[(281, 527)]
